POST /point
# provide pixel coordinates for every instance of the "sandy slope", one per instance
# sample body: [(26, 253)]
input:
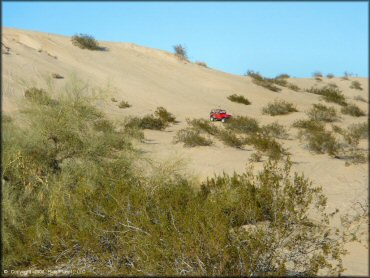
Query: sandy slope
[(148, 78)]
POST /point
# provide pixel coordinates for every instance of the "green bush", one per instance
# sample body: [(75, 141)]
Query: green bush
[(320, 112), (320, 141), (84, 41), (238, 99), (309, 125), (243, 124), (191, 138), (279, 107), (352, 110), (180, 52), (123, 104), (356, 85), (267, 145), (203, 125), (330, 94), (275, 130), (164, 115), (230, 138)]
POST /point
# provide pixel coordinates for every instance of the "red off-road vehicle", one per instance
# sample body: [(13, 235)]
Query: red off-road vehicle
[(219, 115)]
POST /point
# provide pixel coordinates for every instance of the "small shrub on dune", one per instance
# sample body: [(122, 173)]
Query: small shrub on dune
[(359, 98), (279, 107), (261, 81), (203, 125), (114, 99), (57, 76), (330, 75), (266, 144), (256, 157), (320, 112), (163, 114), (329, 94), (181, 52), (309, 125), (361, 130), (320, 141), (191, 138), (280, 81), (356, 85), (202, 64), (151, 122), (282, 76), (346, 75), (352, 110), (38, 96), (293, 87), (84, 41), (243, 124), (238, 99), (230, 139), (124, 104), (275, 130)]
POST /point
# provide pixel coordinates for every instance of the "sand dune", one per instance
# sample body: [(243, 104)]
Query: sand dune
[(148, 78)]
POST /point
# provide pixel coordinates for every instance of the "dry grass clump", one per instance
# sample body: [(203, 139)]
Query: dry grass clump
[(293, 87), (180, 52), (238, 99), (56, 76), (309, 125), (38, 96), (275, 130), (203, 125), (320, 112), (124, 104), (352, 110), (279, 107), (159, 121), (266, 144), (330, 75), (243, 124), (230, 139), (356, 85), (164, 115), (261, 81), (329, 94), (191, 138), (84, 41), (360, 130), (359, 98), (256, 157), (202, 64)]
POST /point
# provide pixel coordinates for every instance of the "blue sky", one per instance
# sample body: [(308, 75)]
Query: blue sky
[(297, 38)]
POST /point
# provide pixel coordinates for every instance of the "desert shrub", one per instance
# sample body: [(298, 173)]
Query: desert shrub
[(191, 138), (279, 107), (309, 125), (330, 75), (330, 94), (57, 76), (261, 81), (320, 112), (164, 115), (124, 104), (256, 157), (230, 138), (202, 64), (243, 124), (293, 87), (356, 85), (280, 81), (73, 195), (360, 130), (317, 74), (282, 76), (359, 98), (332, 85), (352, 110), (319, 141), (38, 96), (238, 99), (151, 122), (84, 41), (266, 144), (180, 52), (275, 130), (203, 125), (114, 99), (346, 75)]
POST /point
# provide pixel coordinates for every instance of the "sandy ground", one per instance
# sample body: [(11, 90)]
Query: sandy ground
[(148, 78)]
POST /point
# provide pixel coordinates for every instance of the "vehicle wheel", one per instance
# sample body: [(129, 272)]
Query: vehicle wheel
[(212, 119), (223, 120)]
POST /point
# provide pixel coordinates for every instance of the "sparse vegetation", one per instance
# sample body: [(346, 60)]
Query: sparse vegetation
[(114, 99), (359, 98), (320, 141), (230, 139), (202, 64), (360, 131), (180, 52), (330, 75), (243, 124), (164, 115), (238, 99), (279, 107), (329, 94), (282, 76), (84, 41), (356, 85), (191, 138), (256, 157), (124, 104), (317, 75), (346, 76), (320, 112), (261, 81), (275, 130), (57, 76), (38, 96), (352, 110), (267, 145), (203, 125), (293, 87)]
